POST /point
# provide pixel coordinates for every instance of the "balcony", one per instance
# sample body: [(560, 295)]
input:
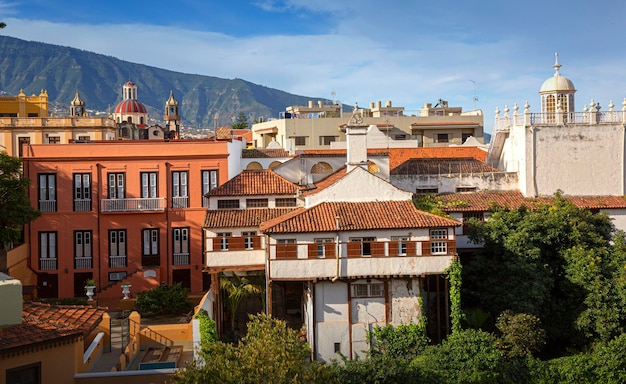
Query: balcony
[(235, 251), (117, 261), (82, 205), (181, 259), (48, 205), (180, 202), (83, 262), (144, 204), (48, 264), (381, 258)]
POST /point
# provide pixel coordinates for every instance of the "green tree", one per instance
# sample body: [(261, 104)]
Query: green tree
[(270, 352), (235, 289), (523, 264), (521, 334), (241, 122), (2, 25), (163, 300), (15, 208)]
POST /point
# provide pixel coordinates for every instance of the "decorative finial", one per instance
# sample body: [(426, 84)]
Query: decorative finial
[(556, 65), (611, 105), (526, 106), (357, 118)]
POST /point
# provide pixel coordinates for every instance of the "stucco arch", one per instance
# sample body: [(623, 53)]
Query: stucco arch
[(321, 167), (254, 166)]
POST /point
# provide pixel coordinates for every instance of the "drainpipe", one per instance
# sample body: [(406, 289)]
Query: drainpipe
[(99, 216), (168, 199), (337, 251)]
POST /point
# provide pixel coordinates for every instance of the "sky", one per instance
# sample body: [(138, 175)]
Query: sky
[(483, 55)]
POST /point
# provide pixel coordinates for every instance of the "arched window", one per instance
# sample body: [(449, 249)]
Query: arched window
[(130, 119), (254, 166), (321, 167), (274, 163), (141, 120)]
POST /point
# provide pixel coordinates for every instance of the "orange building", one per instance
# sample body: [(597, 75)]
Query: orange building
[(120, 211)]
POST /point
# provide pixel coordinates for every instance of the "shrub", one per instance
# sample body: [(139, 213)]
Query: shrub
[(208, 331), (521, 334), (403, 341), (163, 300)]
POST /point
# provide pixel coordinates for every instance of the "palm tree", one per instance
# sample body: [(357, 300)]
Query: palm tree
[(2, 25), (235, 289)]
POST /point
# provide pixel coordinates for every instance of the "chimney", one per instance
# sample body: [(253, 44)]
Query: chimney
[(356, 141)]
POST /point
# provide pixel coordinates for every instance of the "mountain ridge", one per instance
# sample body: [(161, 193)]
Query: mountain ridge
[(61, 70)]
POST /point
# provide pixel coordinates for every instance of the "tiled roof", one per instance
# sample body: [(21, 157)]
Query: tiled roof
[(242, 133), (232, 218), (355, 216), (222, 133), (442, 166), (261, 182), (33, 332), (84, 318), (327, 182), (44, 323), (262, 153), (398, 156), (484, 200)]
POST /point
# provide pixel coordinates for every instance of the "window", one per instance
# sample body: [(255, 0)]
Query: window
[(47, 192), (326, 140), (82, 250), (426, 190), (285, 202), (209, 182), (117, 248), (223, 240), (465, 189), (366, 244), (442, 138), (116, 185), (256, 203), (300, 140), (180, 245), (82, 192), (368, 290), (48, 251), (150, 247), (21, 142), (286, 249), (467, 216), (401, 241), (228, 204), (84, 138), (465, 136), (30, 374), (117, 276), (401, 137), (248, 239), (321, 244), (149, 186), (180, 194), (440, 245), (54, 139)]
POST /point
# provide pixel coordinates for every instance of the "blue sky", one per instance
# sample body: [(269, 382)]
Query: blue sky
[(409, 52)]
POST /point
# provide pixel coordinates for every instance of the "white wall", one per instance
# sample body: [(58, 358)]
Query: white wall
[(331, 320), (494, 181)]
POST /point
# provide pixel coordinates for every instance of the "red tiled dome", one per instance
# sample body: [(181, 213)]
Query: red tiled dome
[(130, 106)]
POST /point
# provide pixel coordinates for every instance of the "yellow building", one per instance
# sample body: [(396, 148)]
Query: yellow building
[(24, 106), (24, 120)]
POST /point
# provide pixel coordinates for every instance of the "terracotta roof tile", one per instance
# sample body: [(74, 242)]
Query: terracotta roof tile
[(222, 133), (327, 182), (442, 166), (484, 200), (263, 153), (398, 156), (232, 218), (261, 182), (84, 318), (355, 216), (44, 323)]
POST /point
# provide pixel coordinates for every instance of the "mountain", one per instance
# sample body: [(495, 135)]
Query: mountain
[(60, 70)]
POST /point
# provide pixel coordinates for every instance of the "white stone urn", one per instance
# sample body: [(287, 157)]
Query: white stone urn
[(89, 291), (126, 290)]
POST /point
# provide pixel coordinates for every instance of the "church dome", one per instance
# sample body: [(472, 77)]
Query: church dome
[(130, 106), (557, 83)]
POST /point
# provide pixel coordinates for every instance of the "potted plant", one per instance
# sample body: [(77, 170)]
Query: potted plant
[(90, 285), (126, 289)]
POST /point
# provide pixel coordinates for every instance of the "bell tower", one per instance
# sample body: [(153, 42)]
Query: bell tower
[(171, 116), (77, 106)]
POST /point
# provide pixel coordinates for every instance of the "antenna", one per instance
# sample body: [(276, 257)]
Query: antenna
[(332, 94), (475, 98)]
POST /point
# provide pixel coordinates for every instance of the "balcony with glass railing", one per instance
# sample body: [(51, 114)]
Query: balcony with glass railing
[(142, 204)]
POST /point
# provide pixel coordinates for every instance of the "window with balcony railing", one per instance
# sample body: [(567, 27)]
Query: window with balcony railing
[(47, 192), (209, 182), (82, 192), (150, 246), (117, 248), (82, 250), (180, 243), (47, 251), (180, 191)]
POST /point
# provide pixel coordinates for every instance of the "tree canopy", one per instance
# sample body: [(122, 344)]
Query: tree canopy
[(553, 262), (15, 207), (241, 122)]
